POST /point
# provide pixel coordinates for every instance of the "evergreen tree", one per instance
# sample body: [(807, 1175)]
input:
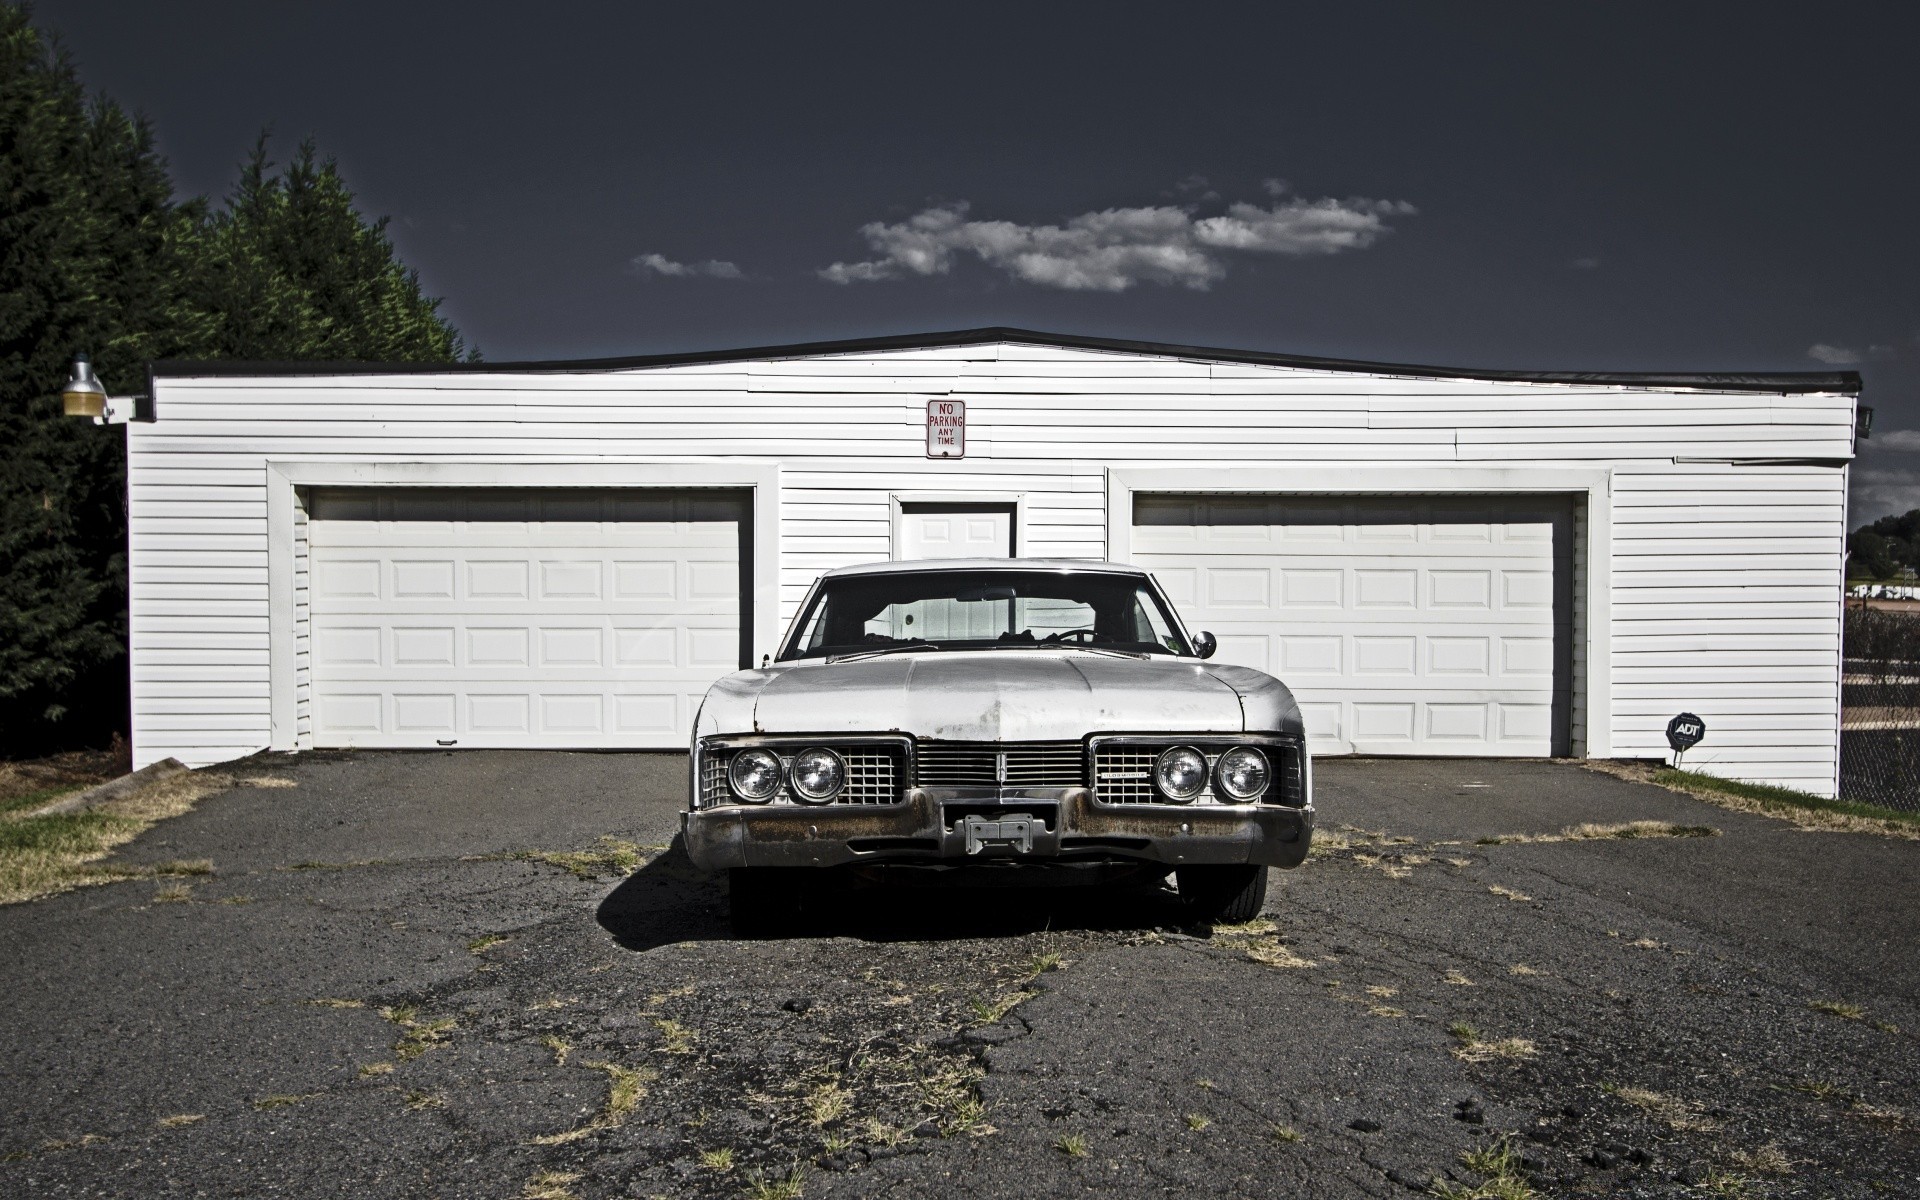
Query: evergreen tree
[(96, 255), (86, 217), (288, 270)]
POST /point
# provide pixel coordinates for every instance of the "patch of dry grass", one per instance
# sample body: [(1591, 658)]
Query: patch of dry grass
[(718, 1161), (1392, 868), (1838, 1008), (1769, 1159), (992, 1012), (181, 1119), (173, 893), (42, 856), (551, 1185), (481, 945), (1475, 1048), (1272, 953), (419, 1036), (1811, 813), (1594, 831), (1456, 979), (679, 1038), (1681, 1115), (1507, 893), (625, 1088), (610, 856), (828, 1103), (763, 1185)]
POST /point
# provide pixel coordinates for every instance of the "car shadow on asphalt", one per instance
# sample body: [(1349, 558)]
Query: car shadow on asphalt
[(669, 900)]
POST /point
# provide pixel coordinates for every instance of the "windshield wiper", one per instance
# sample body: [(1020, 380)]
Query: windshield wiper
[(897, 648)]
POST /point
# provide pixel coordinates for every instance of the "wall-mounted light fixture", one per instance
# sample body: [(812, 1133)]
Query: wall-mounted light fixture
[(84, 397)]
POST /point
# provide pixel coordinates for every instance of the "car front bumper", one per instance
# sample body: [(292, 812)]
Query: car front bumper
[(1067, 825)]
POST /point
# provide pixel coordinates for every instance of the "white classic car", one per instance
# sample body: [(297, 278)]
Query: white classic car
[(963, 719)]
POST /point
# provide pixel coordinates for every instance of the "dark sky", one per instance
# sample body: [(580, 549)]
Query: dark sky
[(1626, 186)]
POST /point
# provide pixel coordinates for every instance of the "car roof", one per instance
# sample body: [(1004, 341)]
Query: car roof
[(984, 564)]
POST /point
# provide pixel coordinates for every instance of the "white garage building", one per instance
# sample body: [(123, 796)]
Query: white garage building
[(1438, 561)]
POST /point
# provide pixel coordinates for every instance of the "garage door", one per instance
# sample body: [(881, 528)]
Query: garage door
[(1404, 625), (567, 618)]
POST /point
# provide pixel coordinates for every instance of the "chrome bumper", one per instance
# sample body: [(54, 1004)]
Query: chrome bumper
[(930, 826)]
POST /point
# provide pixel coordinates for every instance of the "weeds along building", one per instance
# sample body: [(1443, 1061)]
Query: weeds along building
[(565, 554)]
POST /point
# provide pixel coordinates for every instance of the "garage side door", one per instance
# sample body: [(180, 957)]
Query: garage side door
[(567, 618), (1404, 625)]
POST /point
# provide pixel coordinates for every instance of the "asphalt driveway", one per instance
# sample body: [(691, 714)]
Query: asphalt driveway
[(490, 974)]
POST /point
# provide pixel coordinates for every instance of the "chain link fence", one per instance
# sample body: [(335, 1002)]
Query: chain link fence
[(1880, 703)]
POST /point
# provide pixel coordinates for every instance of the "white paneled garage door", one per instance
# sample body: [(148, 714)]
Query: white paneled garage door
[(1404, 625), (563, 618)]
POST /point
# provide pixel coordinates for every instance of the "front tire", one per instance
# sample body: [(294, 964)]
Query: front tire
[(1223, 894)]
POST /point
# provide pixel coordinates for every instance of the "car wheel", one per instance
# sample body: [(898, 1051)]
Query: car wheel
[(1223, 893), (764, 901)]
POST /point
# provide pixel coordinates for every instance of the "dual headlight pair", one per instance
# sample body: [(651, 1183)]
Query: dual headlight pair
[(814, 776), (1239, 776)]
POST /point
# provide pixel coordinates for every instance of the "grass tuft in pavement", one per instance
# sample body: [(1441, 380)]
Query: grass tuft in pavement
[(1499, 1164), (1072, 1145), (762, 1185)]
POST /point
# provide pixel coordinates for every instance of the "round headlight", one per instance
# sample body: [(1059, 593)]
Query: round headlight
[(1180, 773), (1241, 774), (817, 775), (754, 775)]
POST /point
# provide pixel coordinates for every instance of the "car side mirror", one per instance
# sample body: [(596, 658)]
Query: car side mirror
[(1204, 644)]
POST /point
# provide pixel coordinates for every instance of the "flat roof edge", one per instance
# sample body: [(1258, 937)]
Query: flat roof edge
[(1766, 381)]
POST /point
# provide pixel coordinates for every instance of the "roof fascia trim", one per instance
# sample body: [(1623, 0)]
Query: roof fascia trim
[(1763, 381)]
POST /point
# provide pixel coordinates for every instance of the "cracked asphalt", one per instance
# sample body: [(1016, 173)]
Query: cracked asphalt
[(493, 974)]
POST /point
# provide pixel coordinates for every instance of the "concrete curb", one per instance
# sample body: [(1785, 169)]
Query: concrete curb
[(112, 789)]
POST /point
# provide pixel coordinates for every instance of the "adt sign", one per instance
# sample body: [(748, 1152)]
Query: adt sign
[(1684, 732)]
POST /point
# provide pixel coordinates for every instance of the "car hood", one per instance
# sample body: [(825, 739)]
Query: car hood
[(996, 696)]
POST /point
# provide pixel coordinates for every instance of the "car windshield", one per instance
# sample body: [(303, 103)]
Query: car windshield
[(985, 610)]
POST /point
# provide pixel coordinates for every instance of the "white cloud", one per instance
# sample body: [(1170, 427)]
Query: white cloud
[(660, 264), (1877, 492), (1905, 441), (1116, 248), (1847, 356)]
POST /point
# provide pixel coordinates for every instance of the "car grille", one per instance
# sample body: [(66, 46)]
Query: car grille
[(1124, 774), (977, 764), (873, 776)]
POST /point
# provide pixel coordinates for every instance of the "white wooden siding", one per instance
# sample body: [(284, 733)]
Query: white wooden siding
[(1724, 580)]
